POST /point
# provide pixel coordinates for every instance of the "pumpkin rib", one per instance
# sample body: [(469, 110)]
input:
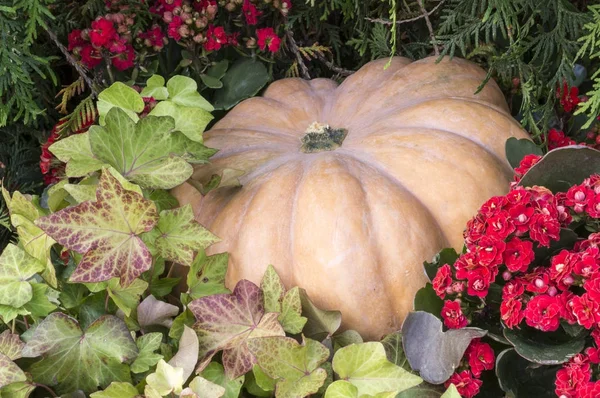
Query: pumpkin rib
[(385, 173), (293, 220), (265, 131)]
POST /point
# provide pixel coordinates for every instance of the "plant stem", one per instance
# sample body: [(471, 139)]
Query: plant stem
[(14, 323), (106, 302), (430, 27), (46, 388), (296, 52), (26, 323), (388, 22)]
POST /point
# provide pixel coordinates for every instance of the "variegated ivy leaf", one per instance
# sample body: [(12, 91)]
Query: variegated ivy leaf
[(226, 321), (123, 97), (183, 91), (202, 388), (190, 121), (11, 345), (126, 298), (16, 267), (117, 390), (155, 88), (167, 379), (295, 366), (207, 275), (178, 236), (9, 372), (76, 152), (23, 213), (288, 305), (106, 233), (147, 358), (39, 306), (76, 360), (215, 373), (21, 389), (150, 153)]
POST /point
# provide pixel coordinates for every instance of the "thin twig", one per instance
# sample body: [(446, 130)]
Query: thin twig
[(73, 62), (430, 27), (333, 67), (294, 48), (388, 22)]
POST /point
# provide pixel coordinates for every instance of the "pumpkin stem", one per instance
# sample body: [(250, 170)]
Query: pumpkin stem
[(320, 137)]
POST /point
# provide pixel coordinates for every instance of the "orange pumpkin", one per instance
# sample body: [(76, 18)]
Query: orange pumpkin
[(349, 209)]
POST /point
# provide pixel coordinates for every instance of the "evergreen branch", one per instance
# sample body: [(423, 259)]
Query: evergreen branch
[(83, 114), (430, 27), (294, 48), (68, 92), (341, 71), (403, 21)]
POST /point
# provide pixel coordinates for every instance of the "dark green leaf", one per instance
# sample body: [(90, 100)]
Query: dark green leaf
[(426, 300), (211, 82), (517, 149), (445, 256), (394, 351), (524, 379), (544, 352), (218, 69), (164, 286), (423, 390), (321, 324), (245, 78)]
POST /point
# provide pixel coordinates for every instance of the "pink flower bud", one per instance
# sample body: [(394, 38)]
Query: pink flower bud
[(506, 275), (568, 280), (168, 17), (552, 291)]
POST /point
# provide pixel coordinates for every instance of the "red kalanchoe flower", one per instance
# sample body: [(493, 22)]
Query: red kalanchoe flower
[(75, 40), (511, 312), (250, 12), (479, 280), (500, 225), (539, 280), (518, 255), (442, 280), (493, 206), (569, 97), (216, 38), (561, 267), (543, 228), (90, 57), (124, 60), (558, 139), (586, 263), (480, 356), (521, 217), (570, 378), (585, 310), (489, 251), (475, 230), (170, 5), (173, 28), (589, 390), (117, 45), (465, 264), (102, 32), (526, 163), (543, 313), (465, 383), (578, 197), (268, 39), (153, 37), (453, 315)]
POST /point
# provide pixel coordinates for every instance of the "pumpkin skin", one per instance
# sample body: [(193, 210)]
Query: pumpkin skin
[(353, 225)]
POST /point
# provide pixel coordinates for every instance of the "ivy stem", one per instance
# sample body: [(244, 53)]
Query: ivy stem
[(106, 302), (109, 69), (14, 324), (45, 387), (170, 271), (26, 323)]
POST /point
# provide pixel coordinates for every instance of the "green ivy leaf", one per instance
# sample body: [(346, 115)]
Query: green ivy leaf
[(451, 392), (295, 366), (288, 305), (243, 80), (273, 290), (163, 199), (345, 389), (152, 312), (122, 97), (81, 192), (189, 121), (155, 88), (76, 152), (16, 267), (117, 390), (39, 306), (263, 380), (207, 275), (186, 318), (93, 307), (106, 233), (226, 322), (320, 324), (542, 352), (366, 366), (202, 388), (76, 360), (423, 390), (147, 358), (9, 372), (18, 390), (11, 345), (126, 298), (345, 338), (166, 380), (183, 91), (517, 149), (392, 343), (215, 373), (251, 385)]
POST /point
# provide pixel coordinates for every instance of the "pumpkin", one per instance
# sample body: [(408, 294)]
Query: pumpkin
[(348, 208)]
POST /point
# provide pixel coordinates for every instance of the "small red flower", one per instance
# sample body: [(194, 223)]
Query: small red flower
[(543, 228), (216, 38), (578, 197), (518, 255), (442, 280), (250, 12), (570, 378), (569, 97), (102, 32), (478, 281), (489, 251), (561, 267), (268, 39), (511, 312), (585, 310), (543, 313), (499, 226), (453, 315), (480, 356), (153, 37), (526, 163), (75, 39), (465, 383), (124, 60), (90, 57), (558, 139), (173, 28)]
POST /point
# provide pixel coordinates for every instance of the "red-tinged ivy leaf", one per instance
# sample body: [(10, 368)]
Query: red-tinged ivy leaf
[(179, 236), (9, 372), (76, 360), (226, 321), (16, 267), (296, 367), (106, 233), (11, 345)]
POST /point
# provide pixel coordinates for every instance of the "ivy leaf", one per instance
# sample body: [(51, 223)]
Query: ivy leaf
[(346, 338), (18, 390), (81, 192), (106, 233), (186, 318), (123, 97), (10, 372), (273, 290), (163, 199), (167, 379), (207, 275), (288, 305), (183, 91), (215, 373), (345, 389), (126, 298), (155, 88), (366, 366), (226, 322), (180, 236), (16, 267), (191, 122), (451, 392), (155, 312), (187, 355), (8, 313), (117, 390), (320, 324), (263, 380), (11, 345), (295, 366), (202, 388), (76, 152), (150, 153), (39, 306), (392, 343), (146, 358), (76, 360)]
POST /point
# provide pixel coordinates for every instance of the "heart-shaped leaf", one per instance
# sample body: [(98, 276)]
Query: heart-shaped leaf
[(187, 355), (226, 321), (11, 345), (16, 267), (76, 152), (10, 372), (155, 88), (215, 373), (202, 388), (367, 368), (76, 360), (207, 275), (166, 380), (117, 390), (183, 91), (147, 344), (392, 343), (296, 367), (243, 80), (543, 352), (430, 351), (189, 121), (426, 300), (106, 233), (517, 149), (122, 97), (39, 306), (320, 324), (155, 312)]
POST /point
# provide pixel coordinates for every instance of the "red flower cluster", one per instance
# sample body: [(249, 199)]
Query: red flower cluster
[(569, 97), (478, 358), (574, 380)]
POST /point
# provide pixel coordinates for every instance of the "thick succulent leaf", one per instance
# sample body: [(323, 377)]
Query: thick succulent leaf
[(155, 312), (207, 275), (187, 354), (155, 88), (189, 121), (180, 236), (126, 298), (202, 388), (516, 149), (74, 360), (11, 345), (117, 390), (39, 306), (147, 344), (120, 96), (243, 80), (226, 321), (16, 267), (366, 366), (320, 324), (9, 372), (167, 379), (295, 366), (76, 152), (430, 351), (183, 91), (106, 233), (215, 373), (543, 352)]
